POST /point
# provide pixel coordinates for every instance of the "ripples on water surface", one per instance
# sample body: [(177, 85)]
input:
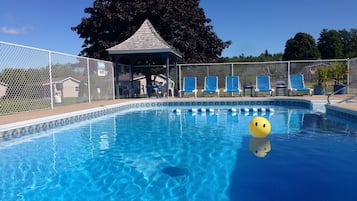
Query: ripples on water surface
[(160, 155)]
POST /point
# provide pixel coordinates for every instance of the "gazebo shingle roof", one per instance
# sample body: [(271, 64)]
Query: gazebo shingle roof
[(144, 40)]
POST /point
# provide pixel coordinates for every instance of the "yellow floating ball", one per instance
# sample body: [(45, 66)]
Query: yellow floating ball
[(259, 127)]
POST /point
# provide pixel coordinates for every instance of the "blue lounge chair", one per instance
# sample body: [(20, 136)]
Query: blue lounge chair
[(211, 85), (189, 86), (233, 85), (296, 84), (263, 85)]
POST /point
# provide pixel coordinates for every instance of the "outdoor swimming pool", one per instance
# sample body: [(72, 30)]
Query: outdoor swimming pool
[(157, 154)]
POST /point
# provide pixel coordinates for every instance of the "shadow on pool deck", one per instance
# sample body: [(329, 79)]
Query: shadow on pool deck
[(23, 116)]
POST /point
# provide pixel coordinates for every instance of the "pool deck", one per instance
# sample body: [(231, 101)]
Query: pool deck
[(23, 116)]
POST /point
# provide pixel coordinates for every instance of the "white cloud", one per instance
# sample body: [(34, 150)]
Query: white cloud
[(15, 31)]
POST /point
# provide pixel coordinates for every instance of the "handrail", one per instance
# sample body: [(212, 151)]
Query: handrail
[(335, 92)]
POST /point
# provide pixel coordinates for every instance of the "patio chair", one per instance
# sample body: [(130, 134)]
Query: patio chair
[(189, 86), (296, 84), (171, 91), (233, 85), (211, 85), (263, 85)]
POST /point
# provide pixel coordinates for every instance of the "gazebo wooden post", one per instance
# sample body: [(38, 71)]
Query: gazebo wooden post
[(116, 76), (167, 75), (176, 78), (131, 70)]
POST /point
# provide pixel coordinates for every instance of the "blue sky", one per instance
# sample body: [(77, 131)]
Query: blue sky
[(253, 26)]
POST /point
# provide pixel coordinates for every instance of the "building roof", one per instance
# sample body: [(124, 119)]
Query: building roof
[(58, 80), (145, 40)]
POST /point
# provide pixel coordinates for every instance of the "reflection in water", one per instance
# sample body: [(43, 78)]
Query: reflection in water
[(313, 121), (104, 143), (259, 146)]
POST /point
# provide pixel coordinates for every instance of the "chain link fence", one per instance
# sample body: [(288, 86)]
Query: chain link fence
[(352, 72), (32, 79), (278, 71)]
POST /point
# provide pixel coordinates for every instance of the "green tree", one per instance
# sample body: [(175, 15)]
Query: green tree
[(302, 46), (182, 23), (349, 42), (330, 45), (265, 56)]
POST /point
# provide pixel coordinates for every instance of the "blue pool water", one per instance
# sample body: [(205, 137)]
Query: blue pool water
[(162, 155)]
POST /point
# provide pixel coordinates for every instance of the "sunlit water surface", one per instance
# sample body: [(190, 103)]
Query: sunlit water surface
[(162, 155)]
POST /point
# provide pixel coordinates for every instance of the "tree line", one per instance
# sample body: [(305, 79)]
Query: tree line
[(183, 25), (331, 44)]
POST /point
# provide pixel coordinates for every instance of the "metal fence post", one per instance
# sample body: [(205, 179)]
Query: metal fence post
[(288, 76), (51, 82), (232, 69), (89, 93)]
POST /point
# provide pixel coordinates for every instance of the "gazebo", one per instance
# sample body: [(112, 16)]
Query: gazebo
[(144, 44)]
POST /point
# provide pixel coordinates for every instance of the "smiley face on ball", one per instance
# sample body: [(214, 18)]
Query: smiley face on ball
[(259, 127)]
